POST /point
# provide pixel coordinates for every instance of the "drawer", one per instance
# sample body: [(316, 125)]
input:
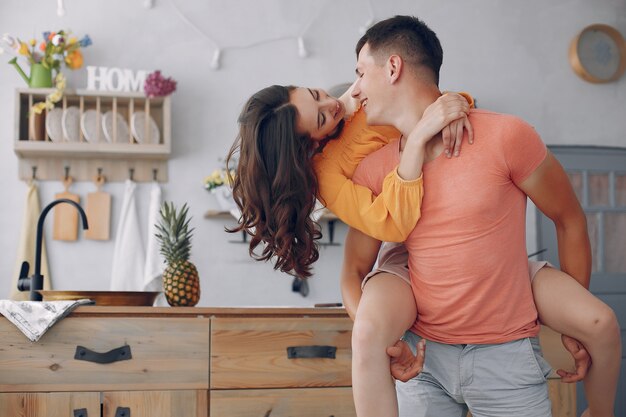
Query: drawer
[(165, 353), (301, 402), (183, 403), (49, 404), (255, 352)]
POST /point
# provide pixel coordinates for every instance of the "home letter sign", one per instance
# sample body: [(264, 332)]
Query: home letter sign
[(114, 79)]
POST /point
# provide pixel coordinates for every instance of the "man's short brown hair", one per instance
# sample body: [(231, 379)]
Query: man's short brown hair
[(407, 37)]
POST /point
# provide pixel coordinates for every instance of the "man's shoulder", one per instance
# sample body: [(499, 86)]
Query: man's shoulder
[(511, 137), (494, 119)]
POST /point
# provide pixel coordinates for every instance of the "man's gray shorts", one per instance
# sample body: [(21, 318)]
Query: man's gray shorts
[(507, 380)]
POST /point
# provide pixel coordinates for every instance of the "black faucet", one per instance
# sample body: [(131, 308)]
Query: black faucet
[(34, 283)]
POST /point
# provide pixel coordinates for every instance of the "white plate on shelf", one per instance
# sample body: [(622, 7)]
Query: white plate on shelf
[(138, 127), (53, 125), (89, 126), (123, 133), (70, 123)]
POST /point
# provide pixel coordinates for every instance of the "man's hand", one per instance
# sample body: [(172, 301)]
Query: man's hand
[(404, 365), (582, 360)]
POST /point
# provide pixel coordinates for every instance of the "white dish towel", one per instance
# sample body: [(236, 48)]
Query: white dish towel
[(26, 247), (153, 270), (129, 257), (34, 318)]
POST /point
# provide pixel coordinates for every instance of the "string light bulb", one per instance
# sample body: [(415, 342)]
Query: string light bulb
[(215, 62), (370, 20), (60, 8), (302, 52), (367, 25)]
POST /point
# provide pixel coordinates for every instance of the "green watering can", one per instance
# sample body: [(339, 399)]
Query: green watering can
[(40, 76)]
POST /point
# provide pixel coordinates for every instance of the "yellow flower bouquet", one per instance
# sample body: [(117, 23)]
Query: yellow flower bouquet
[(56, 48), (218, 178), (52, 98)]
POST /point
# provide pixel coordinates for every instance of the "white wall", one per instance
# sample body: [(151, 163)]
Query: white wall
[(511, 55)]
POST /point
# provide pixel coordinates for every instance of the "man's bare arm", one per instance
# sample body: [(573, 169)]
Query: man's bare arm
[(549, 188)]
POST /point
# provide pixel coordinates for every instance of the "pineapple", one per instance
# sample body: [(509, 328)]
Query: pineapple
[(180, 279)]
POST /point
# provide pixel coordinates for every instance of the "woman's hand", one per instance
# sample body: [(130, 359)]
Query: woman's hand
[(350, 103), (448, 115), (452, 136)]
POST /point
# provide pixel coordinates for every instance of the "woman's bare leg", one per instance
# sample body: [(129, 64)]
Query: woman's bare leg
[(568, 308), (386, 310)]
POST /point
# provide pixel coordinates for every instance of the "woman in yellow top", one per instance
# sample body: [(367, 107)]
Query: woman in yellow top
[(281, 171), (288, 157), (278, 173)]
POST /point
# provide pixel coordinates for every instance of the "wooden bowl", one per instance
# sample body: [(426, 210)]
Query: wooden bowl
[(104, 298)]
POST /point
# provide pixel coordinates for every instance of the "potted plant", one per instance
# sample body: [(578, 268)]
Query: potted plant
[(56, 48)]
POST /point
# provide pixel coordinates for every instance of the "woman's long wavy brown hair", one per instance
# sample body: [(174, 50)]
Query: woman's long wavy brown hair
[(275, 184)]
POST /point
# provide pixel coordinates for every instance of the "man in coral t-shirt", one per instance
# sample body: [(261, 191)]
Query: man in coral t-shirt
[(469, 246), (467, 254)]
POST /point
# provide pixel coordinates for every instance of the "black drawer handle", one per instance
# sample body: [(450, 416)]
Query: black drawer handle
[(122, 412), (82, 412), (306, 352), (120, 354), (269, 412)]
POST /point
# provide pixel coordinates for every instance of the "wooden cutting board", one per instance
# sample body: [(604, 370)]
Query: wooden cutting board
[(66, 216), (98, 209)]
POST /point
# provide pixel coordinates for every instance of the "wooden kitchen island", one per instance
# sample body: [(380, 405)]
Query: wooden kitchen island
[(189, 362)]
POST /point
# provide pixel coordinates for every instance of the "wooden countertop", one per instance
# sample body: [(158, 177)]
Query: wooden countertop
[(109, 311)]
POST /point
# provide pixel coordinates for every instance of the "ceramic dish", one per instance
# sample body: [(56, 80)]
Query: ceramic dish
[(54, 125), (104, 298), (123, 134), (138, 127), (70, 123), (89, 126)]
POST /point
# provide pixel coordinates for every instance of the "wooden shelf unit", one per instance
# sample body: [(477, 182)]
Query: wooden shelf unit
[(220, 214), (114, 159), (327, 216)]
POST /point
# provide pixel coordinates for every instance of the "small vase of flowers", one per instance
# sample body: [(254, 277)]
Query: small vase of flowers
[(218, 183)]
